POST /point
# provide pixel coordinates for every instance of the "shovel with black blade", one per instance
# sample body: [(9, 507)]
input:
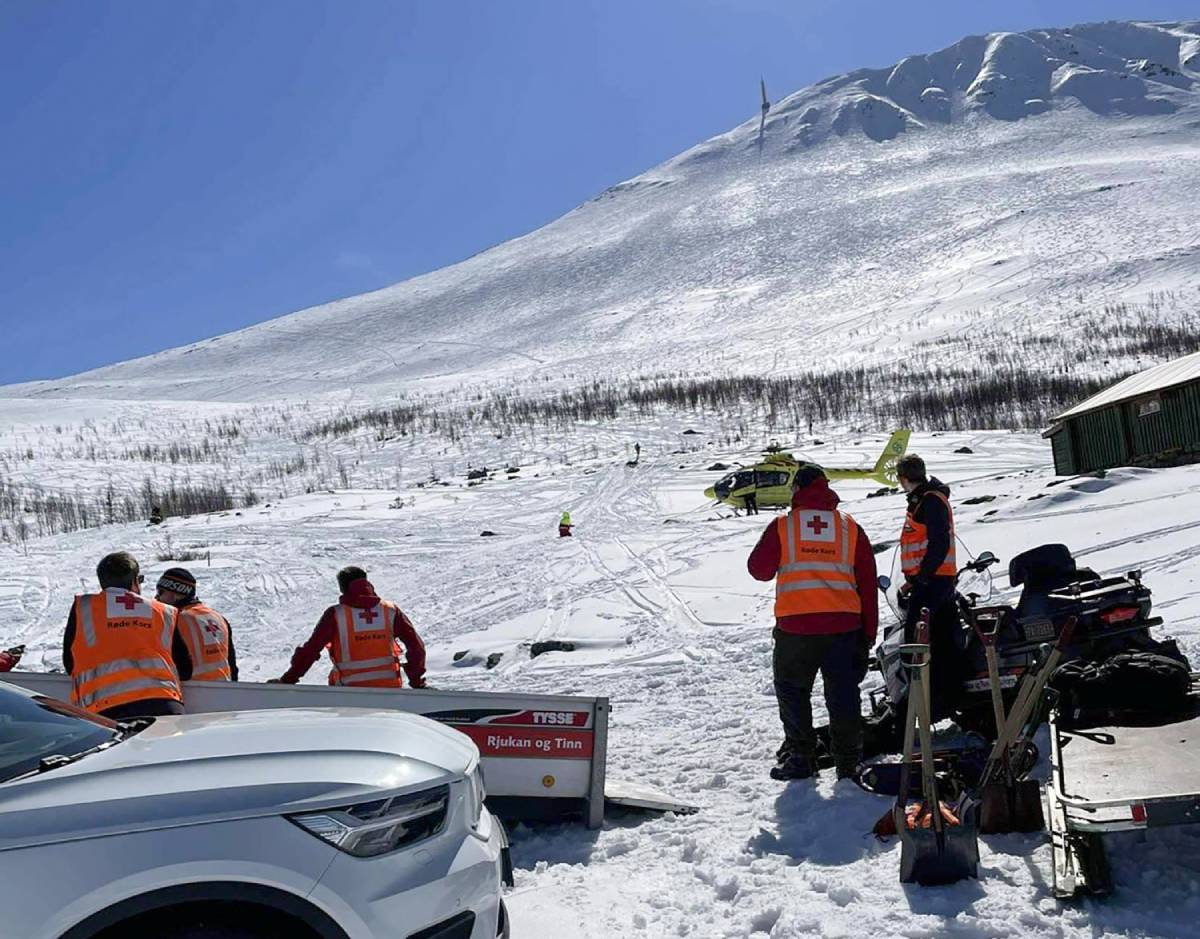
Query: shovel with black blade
[(1009, 803), (938, 844)]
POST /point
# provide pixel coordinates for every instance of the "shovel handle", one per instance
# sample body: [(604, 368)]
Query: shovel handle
[(1067, 634)]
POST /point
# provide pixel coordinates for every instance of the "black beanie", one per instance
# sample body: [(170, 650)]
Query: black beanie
[(179, 580)]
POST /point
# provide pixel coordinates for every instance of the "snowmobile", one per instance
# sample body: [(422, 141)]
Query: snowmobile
[(1112, 614)]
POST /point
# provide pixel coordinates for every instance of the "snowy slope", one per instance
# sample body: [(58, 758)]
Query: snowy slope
[(1010, 184), (668, 623)]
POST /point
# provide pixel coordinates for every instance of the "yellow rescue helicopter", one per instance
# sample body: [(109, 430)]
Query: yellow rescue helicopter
[(770, 482)]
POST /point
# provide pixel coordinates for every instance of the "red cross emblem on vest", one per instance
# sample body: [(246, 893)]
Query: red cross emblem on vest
[(368, 615), (128, 600), (817, 524)]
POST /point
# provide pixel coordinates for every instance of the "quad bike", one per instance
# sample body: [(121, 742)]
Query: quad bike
[(1111, 615)]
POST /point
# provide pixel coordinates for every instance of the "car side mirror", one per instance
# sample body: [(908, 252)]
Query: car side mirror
[(986, 558), (884, 582)]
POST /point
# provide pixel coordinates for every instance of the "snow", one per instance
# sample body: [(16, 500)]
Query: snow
[(1158, 378), (654, 591), (1008, 186)]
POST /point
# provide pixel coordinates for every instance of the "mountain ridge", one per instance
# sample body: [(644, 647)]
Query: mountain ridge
[(724, 233)]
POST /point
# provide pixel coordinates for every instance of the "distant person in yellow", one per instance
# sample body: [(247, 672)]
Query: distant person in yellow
[(565, 526)]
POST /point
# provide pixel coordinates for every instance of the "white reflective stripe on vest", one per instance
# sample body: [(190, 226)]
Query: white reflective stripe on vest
[(833, 567), (134, 684), (367, 663), (211, 667), (118, 665), (168, 626), (359, 677), (86, 621), (816, 585)]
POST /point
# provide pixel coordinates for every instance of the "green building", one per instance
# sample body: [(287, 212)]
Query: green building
[(1149, 419)]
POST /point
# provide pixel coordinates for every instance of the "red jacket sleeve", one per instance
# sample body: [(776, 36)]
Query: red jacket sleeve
[(6, 662), (305, 655), (763, 562), (414, 648), (868, 590)]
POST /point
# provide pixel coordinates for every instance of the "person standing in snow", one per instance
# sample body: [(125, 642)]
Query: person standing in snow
[(206, 632), (826, 617), (369, 640), (124, 653), (565, 526), (929, 564)]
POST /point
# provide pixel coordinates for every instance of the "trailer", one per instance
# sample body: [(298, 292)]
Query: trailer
[(1117, 778), (543, 756)]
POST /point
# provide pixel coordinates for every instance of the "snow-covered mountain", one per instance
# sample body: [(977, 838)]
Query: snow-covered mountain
[(1018, 197), (1011, 185)]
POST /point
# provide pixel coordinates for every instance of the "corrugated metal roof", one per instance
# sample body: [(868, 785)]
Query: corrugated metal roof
[(1175, 372)]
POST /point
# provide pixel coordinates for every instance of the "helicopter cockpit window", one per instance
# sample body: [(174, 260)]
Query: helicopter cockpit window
[(772, 478), (745, 478)]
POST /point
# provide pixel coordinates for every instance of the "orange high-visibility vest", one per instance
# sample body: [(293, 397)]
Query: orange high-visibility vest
[(364, 650), (122, 650), (816, 563), (914, 542), (206, 634)]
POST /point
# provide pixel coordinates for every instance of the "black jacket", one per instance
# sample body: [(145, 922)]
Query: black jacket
[(936, 516)]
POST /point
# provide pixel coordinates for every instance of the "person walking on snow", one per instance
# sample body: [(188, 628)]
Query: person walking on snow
[(206, 632), (565, 526), (124, 653), (929, 564), (826, 618), (368, 639)]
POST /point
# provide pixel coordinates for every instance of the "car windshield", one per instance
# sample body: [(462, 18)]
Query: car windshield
[(33, 727)]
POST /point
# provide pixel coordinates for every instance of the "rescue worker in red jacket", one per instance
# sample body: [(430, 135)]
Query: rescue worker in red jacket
[(826, 618), (124, 652), (369, 640), (206, 632), (928, 561)]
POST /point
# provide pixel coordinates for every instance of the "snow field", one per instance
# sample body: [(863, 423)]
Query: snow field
[(653, 589)]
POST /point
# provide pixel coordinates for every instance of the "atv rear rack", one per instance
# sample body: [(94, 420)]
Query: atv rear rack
[(1117, 778)]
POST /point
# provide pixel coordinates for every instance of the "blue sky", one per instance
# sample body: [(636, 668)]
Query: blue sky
[(175, 170)]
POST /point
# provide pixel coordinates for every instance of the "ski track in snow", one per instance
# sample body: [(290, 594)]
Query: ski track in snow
[(669, 625)]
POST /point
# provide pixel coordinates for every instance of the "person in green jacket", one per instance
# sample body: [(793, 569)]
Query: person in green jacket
[(565, 526)]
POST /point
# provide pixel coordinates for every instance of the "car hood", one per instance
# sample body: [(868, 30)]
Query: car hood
[(209, 767)]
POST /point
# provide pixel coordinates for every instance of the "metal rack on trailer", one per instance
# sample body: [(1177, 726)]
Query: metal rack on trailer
[(1117, 778)]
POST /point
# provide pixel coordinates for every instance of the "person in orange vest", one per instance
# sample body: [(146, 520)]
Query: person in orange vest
[(928, 561), (371, 643), (826, 618), (124, 653), (206, 632)]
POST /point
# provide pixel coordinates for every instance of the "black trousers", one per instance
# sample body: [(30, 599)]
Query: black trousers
[(842, 662), (945, 642), (150, 707)]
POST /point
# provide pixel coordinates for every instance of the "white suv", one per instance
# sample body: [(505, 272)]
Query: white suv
[(310, 824)]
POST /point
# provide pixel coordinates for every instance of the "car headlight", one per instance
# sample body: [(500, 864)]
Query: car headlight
[(476, 793), (368, 829)]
